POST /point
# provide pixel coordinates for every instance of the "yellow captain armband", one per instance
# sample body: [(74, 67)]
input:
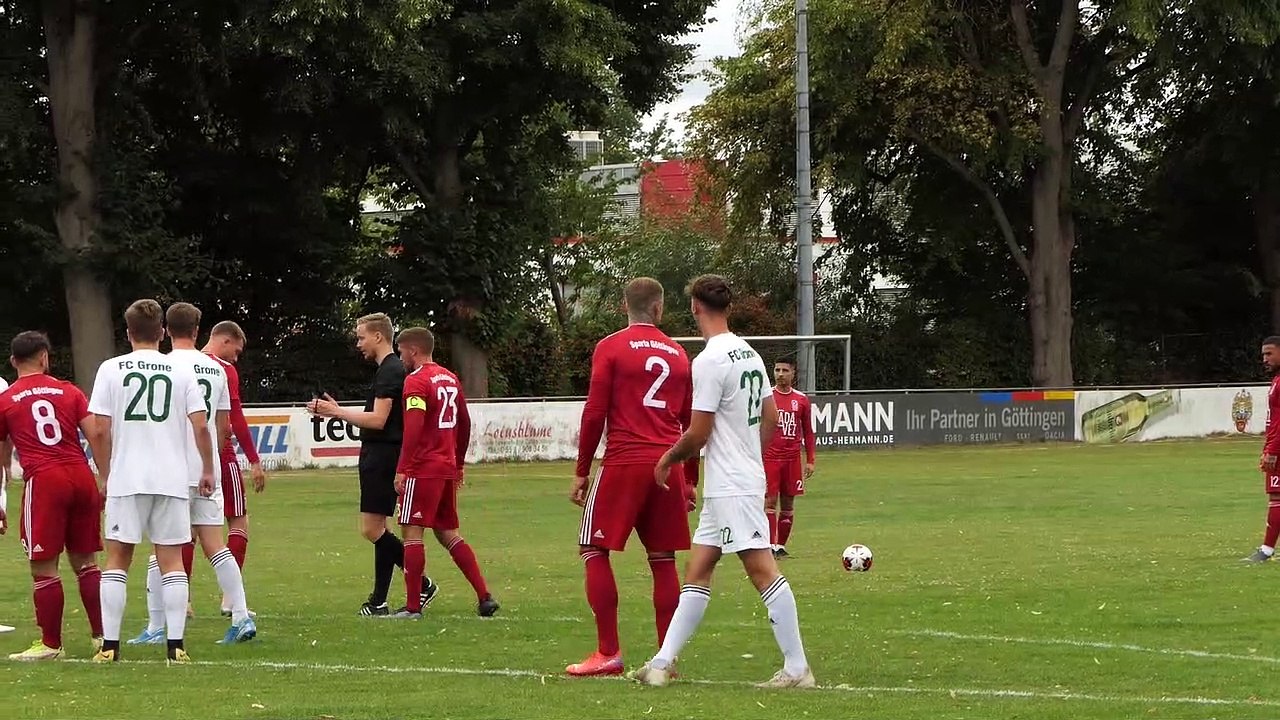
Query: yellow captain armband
[(413, 402)]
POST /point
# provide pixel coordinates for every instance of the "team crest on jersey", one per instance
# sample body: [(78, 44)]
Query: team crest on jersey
[(1241, 409), (795, 404)]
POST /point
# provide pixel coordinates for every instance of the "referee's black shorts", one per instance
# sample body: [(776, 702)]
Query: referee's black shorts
[(378, 478)]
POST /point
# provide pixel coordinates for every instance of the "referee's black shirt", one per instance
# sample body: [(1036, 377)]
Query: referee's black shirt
[(388, 382)]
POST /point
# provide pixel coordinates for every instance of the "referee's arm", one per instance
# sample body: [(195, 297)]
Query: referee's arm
[(374, 419)]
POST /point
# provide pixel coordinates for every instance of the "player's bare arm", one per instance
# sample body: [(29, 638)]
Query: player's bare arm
[(204, 444), (223, 425), (690, 443), (768, 421), (462, 434), (595, 413), (97, 429), (375, 419)]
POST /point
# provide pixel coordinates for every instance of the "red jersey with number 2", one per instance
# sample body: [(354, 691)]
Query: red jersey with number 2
[(437, 426), (41, 416), (642, 391), (794, 427)]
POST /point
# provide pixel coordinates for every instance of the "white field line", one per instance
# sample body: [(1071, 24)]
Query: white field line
[(1093, 645), (990, 693)]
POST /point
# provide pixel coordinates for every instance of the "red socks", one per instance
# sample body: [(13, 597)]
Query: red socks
[(602, 596), (465, 558), (48, 601), (784, 527), (89, 578), (415, 564), (773, 525), (238, 544), (666, 593), (1273, 522), (188, 558)]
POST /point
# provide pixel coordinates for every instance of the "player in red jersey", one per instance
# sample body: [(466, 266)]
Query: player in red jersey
[(1270, 451), (226, 342), (42, 417), (437, 429), (642, 390), (784, 477)]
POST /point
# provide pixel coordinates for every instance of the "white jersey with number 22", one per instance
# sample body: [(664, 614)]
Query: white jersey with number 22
[(148, 397), (729, 380)]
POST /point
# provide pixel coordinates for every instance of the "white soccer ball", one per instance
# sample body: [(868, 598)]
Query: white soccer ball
[(857, 558)]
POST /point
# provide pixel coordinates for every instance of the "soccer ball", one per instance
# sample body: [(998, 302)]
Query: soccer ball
[(856, 558)]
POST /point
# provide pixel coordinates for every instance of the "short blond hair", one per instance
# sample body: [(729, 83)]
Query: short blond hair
[(145, 320), (379, 323), (642, 294), (228, 328)]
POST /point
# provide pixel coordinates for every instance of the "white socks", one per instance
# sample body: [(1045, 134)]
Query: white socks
[(693, 605), (175, 591), (231, 583), (114, 592), (781, 604), (155, 601)]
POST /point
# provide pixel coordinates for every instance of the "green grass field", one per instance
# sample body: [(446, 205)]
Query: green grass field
[(1015, 582)]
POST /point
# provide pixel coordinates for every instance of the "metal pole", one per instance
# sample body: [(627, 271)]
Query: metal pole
[(804, 202), (848, 364)]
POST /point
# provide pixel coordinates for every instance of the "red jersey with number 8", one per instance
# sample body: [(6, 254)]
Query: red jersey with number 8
[(437, 426), (41, 416), (642, 391)]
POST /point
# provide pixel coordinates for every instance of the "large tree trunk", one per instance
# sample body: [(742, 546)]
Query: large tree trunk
[(1053, 228), (69, 35), (472, 361), (1266, 223)]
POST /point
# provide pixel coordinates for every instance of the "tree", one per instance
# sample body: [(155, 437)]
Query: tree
[(998, 96)]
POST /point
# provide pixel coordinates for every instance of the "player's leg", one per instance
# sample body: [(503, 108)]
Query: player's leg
[(746, 531), (786, 521), (444, 525), (235, 511), (43, 529), (773, 485), (1271, 483), (206, 525), (84, 542), (168, 524), (377, 505), (663, 527), (417, 505), (694, 597), (153, 633), (123, 529)]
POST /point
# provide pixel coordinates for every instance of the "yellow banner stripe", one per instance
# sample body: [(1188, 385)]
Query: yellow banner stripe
[(267, 419), (1059, 394)]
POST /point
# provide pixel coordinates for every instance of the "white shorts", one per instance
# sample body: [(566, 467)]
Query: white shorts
[(164, 520), (733, 524), (206, 510)]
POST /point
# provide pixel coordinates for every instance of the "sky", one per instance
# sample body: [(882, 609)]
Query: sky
[(718, 37)]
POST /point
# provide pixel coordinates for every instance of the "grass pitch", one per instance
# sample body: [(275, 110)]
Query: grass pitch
[(1012, 582)]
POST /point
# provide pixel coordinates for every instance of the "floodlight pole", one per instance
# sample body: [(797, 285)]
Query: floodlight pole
[(804, 203)]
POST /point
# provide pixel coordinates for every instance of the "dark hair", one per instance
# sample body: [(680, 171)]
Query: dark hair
[(27, 346), (418, 337), (145, 320), (183, 320), (712, 291), (1272, 340), (790, 362)]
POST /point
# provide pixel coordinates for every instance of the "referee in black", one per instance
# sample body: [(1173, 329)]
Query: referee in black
[(381, 426)]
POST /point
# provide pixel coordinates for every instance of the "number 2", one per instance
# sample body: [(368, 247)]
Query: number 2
[(664, 372), (448, 397), (753, 382), (148, 388), (47, 428)]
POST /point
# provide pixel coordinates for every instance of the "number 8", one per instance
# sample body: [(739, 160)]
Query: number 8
[(47, 427)]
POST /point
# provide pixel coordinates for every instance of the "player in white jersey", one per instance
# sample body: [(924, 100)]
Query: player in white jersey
[(149, 410), (182, 323), (733, 418), (6, 461)]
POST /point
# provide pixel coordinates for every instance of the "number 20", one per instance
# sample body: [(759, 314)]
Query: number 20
[(664, 372)]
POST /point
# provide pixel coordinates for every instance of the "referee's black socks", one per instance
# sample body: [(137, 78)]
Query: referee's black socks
[(388, 554)]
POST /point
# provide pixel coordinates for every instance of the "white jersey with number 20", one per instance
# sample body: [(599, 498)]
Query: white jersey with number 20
[(148, 397), (729, 380)]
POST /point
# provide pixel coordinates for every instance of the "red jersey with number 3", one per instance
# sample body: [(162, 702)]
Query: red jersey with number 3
[(41, 416), (794, 427), (642, 391), (437, 426)]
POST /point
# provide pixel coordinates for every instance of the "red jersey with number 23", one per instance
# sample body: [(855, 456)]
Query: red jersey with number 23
[(41, 416), (437, 426), (642, 391)]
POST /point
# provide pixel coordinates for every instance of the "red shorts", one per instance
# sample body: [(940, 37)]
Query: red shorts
[(783, 477), (430, 503), (625, 498), (1271, 481), (61, 508), (232, 490)]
